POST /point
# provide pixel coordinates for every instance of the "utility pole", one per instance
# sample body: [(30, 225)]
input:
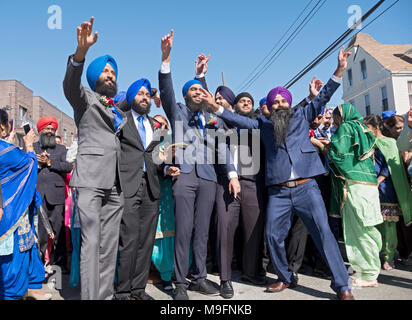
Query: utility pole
[(223, 78)]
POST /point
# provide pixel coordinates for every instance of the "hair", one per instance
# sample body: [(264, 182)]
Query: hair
[(4, 117), (374, 121), (388, 125), (160, 116)]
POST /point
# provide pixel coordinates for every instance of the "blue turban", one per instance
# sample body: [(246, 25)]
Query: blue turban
[(96, 68), (135, 87), (262, 101), (190, 83), (119, 97), (388, 114)]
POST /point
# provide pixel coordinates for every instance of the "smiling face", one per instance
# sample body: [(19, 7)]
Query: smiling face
[(280, 103), (244, 105)]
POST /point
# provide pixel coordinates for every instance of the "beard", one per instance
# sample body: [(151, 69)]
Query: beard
[(108, 90), (139, 109), (195, 107), (48, 140), (242, 113), (281, 119)]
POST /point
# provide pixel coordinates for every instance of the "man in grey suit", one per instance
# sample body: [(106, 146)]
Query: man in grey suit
[(95, 175)]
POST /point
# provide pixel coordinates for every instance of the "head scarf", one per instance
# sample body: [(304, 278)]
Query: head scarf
[(227, 94), (285, 93), (388, 114), (135, 88), (190, 83), (96, 68), (262, 101), (242, 95), (44, 122), (350, 154)]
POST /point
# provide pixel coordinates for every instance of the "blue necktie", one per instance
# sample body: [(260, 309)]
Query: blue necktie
[(142, 133), (199, 114), (117, 117)]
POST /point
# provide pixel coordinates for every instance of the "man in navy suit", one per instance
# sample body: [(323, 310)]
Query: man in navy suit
[(194, 190), (291, 164)]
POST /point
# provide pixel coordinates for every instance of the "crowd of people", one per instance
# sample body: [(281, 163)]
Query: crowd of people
[(231, 184)]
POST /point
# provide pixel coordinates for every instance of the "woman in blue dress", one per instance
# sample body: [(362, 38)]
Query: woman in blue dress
[(21, 269)]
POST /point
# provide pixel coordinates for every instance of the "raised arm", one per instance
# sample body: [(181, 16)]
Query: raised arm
[(167, 94), (315, 107), (201, 69)]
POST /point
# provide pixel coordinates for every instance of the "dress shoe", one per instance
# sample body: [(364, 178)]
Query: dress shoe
[(259, 281), (226, 289), (140, 296), (121, 297), (204, 287), (279, 286), (346, 295), (180, 294), (37, 294)]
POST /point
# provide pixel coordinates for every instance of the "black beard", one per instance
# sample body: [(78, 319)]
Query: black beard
[(281, 119), (245, 114), (108, 90), (139, 109), (48, 141), (195, 107)]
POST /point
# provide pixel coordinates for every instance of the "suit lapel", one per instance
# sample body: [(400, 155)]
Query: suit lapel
[(106, 113), (131, 126)]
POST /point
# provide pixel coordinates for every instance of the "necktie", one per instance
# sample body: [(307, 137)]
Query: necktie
[(201, 118), (142, 132)]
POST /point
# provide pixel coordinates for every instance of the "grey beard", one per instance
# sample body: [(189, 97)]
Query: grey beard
[(47, 141), (106, 90), (281, 119), (139, 109)]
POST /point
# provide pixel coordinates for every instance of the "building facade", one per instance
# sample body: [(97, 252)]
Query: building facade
[(378, 77), (22, 107)]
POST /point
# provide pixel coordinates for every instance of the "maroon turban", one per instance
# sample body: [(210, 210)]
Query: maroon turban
[(278, 91), (44, 122)]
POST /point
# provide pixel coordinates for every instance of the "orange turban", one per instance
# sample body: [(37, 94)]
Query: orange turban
[(44, 122)]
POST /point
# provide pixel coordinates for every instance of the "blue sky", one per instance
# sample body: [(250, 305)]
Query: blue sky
[(238, 35)]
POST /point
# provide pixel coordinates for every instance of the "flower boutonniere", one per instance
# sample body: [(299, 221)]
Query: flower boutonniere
[(107, 102), (212, 121), (156, 124)]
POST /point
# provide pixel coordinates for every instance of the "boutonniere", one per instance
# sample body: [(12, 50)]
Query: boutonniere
[(107, 102), (212, 121), (156, 124)]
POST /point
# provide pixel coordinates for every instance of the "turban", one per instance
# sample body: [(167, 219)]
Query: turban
[(388, 114), (227, 94), (262, 101), (96, 68), (44, 122), (190, 83), (135, 88), (119, 97), (242, 95), (274, 93)]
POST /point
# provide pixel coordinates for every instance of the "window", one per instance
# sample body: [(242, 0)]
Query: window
[(22, 112), (363, 70), (350, 77), (367, 105), (385, 105), (410, 93)]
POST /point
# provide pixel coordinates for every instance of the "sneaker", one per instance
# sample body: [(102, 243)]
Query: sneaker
[(180, 293), (204, 287), (226, 289)]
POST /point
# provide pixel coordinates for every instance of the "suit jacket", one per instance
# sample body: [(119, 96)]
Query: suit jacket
[(132, 157), (98, 146), (298, 151), (179, 113), (1, 198), (50, 181)]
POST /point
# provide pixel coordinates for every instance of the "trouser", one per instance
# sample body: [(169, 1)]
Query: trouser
[(295, 244), (247, 209), (137, 237), (100, 212), (194, 198), (389, 239), (307, 202), (404, 238)]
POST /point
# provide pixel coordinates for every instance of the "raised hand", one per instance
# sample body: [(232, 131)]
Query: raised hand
[(201, 65), (85, 39), (342, 62), (314, 88), (166, 45)]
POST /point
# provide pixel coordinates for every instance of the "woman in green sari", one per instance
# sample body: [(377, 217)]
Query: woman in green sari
[(394, 191), (355, 195)]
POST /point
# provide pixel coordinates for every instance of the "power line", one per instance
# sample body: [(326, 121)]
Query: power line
[(274, 47), (296, 32), (331, 47)]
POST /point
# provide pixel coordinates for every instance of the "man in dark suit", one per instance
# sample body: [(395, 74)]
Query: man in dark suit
[(52, 167), (195, 189), (291, 164), (140, 184)]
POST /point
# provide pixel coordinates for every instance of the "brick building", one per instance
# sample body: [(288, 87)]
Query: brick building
[(22, 106)]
